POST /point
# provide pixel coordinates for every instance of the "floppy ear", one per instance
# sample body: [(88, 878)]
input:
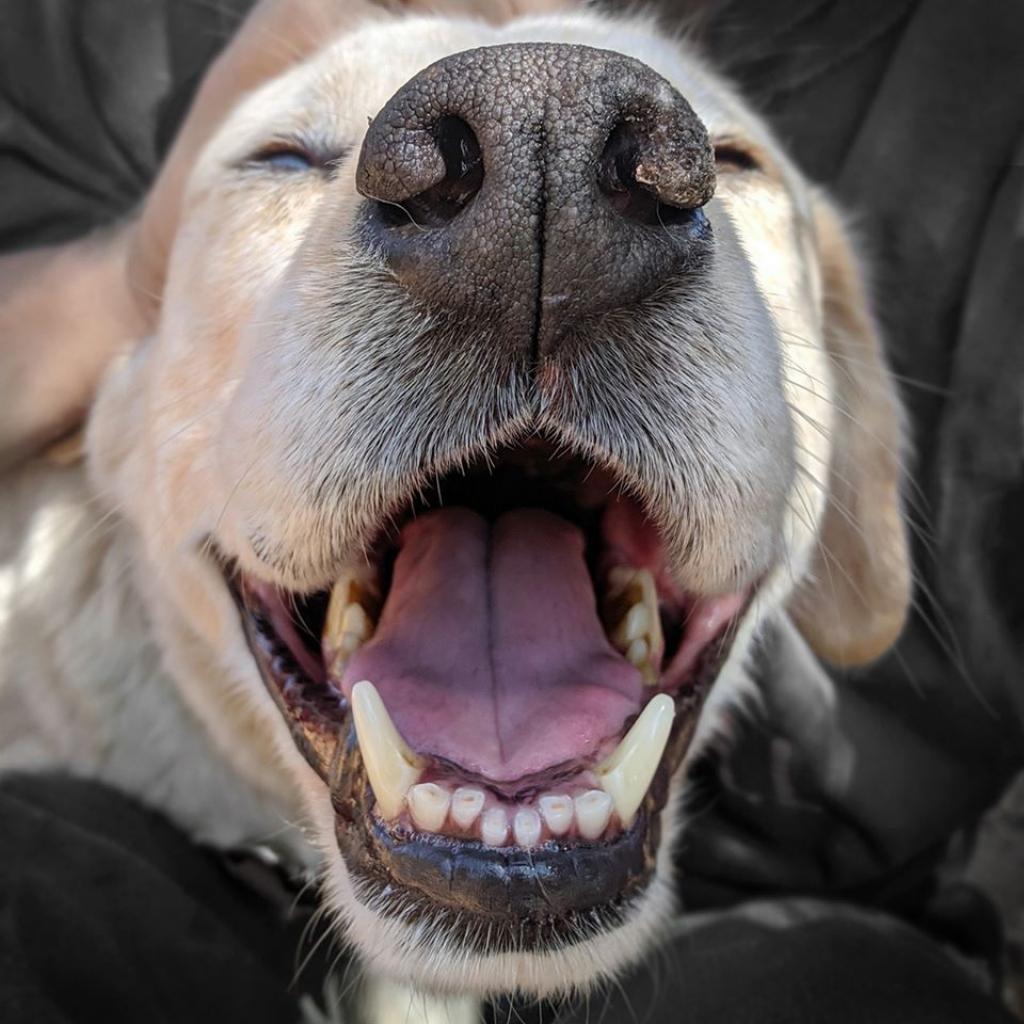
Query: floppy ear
[(854, 603), (65, 311)]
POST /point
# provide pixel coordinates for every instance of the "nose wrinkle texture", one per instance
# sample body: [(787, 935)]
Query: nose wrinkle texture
[(540, 245), (486, 261)]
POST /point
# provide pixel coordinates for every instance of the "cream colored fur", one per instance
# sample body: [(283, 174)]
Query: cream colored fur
[(121, 654)]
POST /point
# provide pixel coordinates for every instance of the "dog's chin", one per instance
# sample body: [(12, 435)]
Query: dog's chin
[(497, 701), (395, 937)]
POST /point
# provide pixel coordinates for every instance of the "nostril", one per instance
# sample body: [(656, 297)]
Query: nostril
[(633, 199), (464, 175)]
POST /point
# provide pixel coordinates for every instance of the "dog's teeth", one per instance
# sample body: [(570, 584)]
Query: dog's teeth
[(627, 774), (649, 596), (638, 652), (391, 766), (428, 804), (336, 606), (347, 626), (619, 579), (593, 810), (355, 622), (638, 633), (526, 827), (345, 593), (467, 803), (634, 625), (557, 813), (494, 827), (348, 644)]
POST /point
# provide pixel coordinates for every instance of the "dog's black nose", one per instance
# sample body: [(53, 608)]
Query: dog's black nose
[(531, 186)]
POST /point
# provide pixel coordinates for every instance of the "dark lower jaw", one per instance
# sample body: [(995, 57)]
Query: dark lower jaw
[(505, 898), (496, 900), (489, 899)]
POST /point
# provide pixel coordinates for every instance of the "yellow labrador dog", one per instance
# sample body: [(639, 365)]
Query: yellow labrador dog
[(508, 378)]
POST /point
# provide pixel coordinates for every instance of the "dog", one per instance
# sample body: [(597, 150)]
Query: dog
[(508, 381)]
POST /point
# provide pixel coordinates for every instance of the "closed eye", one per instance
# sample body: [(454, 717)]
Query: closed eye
[(290, 160), (731, 155), (294, 157)]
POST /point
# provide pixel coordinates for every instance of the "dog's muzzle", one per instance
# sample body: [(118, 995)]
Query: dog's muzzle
[(498, 695)]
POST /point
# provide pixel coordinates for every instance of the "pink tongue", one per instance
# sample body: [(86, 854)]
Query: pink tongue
[(489, 651)]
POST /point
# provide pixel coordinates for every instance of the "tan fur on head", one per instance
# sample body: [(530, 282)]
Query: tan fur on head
[(752, 410), (276, 35)]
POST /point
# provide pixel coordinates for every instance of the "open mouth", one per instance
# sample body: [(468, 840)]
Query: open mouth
[(499, 696)]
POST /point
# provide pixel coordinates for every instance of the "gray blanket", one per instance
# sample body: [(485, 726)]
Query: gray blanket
[(912, 111)]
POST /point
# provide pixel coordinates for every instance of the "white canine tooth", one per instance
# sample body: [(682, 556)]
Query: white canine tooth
[(391, 766), (557, 813), (494, 826), (428, 804), (627, 774), (593, 809), (526, 827), (467, 803)]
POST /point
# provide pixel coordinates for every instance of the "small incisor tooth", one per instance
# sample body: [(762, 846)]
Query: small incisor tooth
[(467, 803), (494, 826), (526, 827), (428, 805), (627, 773), (557, 813), (593, 811), (391, 766)]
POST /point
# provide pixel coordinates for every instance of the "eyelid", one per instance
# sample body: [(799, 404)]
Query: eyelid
[(317, 156), (734, 155)]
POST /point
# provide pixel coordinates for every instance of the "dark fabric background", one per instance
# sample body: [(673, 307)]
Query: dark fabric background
[(912, 111), (913, 114), (108, 914)]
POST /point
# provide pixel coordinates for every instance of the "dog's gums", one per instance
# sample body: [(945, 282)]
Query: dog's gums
[(514, 683)]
